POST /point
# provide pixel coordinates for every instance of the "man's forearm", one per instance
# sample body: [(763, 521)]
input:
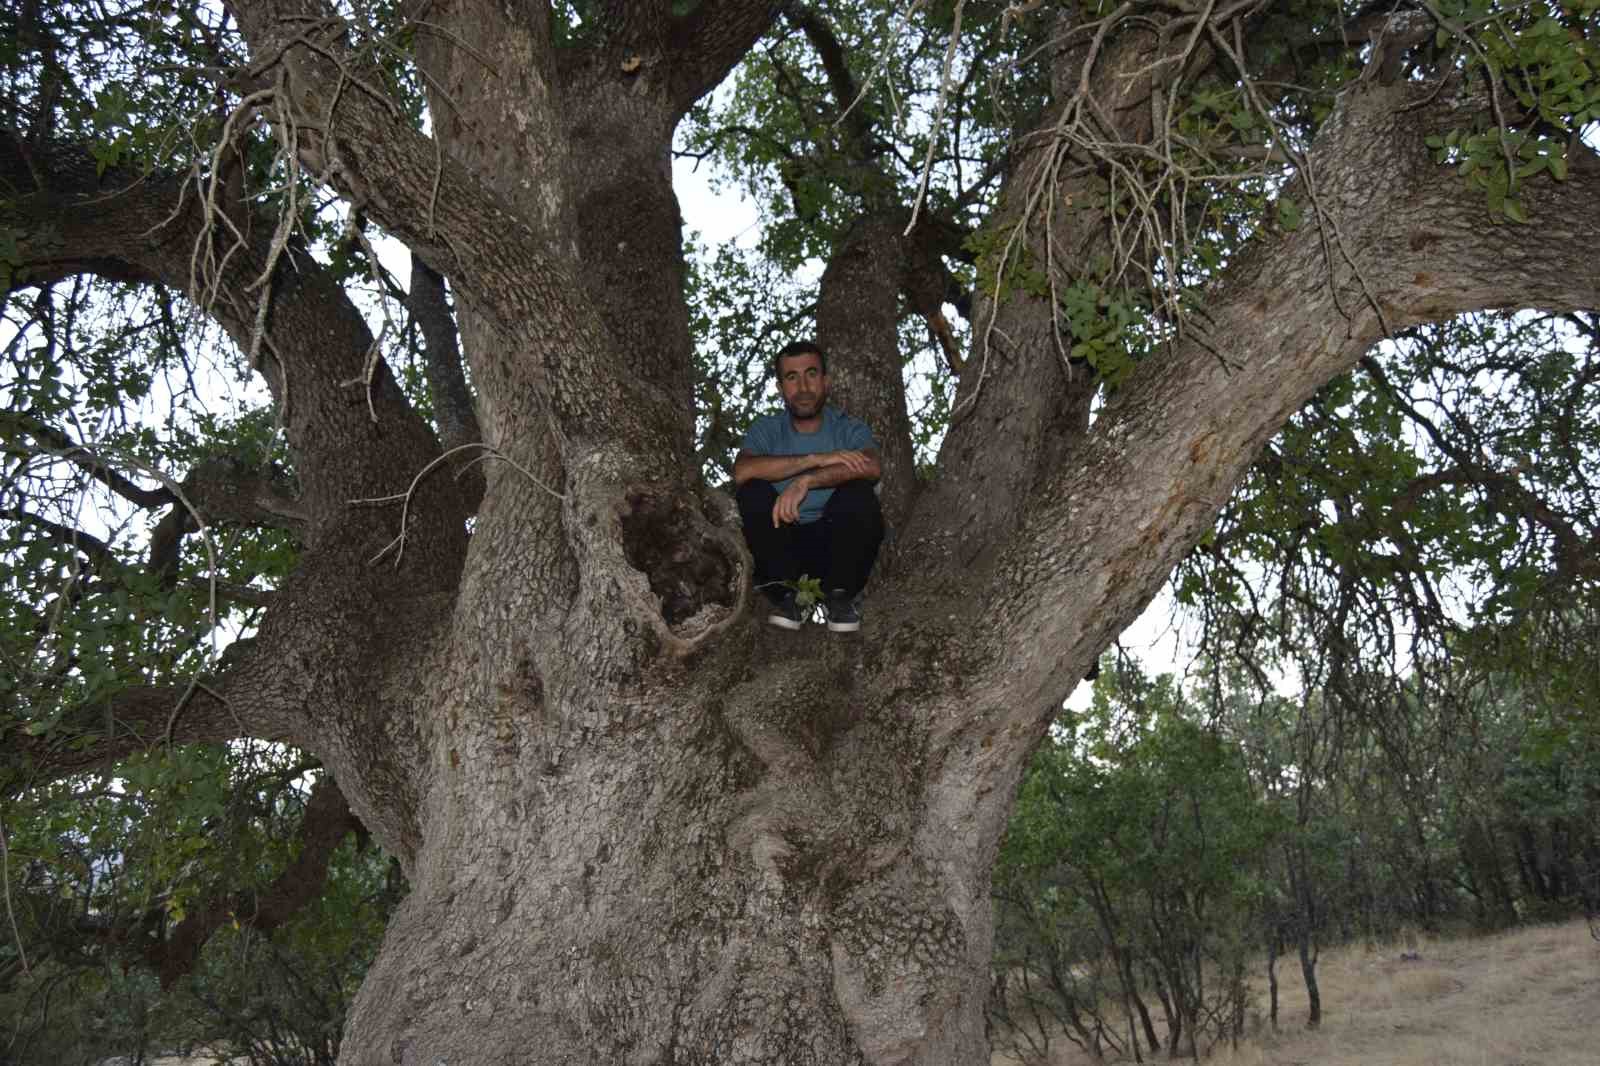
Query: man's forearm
[(826, 477), (774, 467)]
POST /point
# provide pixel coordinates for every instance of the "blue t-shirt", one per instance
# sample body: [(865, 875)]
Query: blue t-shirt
[(776, 435)]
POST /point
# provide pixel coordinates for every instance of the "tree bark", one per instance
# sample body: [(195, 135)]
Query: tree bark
[(1273, 951)]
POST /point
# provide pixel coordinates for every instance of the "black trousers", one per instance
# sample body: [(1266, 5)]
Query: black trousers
[(840, 547)]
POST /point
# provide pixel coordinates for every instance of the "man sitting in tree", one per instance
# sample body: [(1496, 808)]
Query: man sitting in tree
[(805, 481)]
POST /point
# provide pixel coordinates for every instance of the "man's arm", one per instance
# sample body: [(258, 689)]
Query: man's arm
[(852, 466), (823, 469), (843, 466)]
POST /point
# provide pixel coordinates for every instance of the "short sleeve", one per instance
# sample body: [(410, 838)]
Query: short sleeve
[(858, 436), (758, 438)]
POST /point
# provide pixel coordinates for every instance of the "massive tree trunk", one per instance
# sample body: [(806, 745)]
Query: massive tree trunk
[(639, 826)]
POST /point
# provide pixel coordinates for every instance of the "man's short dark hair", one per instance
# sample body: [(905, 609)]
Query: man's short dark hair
[(794, 348)]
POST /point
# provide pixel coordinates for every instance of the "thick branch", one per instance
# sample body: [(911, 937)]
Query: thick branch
[(858, 318), (314, 343), (223, 491), (227, 491), (331, 671), (135, 719), (1290, 313), (633, 25), (709, 41), (498, 264), (323, 827), (1021, 401), (447, 384)]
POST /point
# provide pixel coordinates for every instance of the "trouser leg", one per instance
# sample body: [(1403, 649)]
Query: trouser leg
[(854, 523), (772, 547)]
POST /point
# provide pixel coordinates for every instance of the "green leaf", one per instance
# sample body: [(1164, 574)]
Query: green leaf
[(1288, 215)]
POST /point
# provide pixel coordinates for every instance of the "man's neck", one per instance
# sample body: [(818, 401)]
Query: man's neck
[(807, 425)]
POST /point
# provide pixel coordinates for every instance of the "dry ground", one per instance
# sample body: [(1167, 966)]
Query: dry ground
[(1530, 997)]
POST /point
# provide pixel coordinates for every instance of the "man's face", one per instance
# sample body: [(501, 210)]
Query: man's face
[(803, 384)]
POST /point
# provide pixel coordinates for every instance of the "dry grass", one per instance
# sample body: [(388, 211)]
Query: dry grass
[(1525, 998)]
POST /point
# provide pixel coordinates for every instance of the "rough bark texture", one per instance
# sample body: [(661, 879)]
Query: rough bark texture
[(857, 323), (639, 826)]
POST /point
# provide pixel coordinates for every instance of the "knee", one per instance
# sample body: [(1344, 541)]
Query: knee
[(856, 501), (755, 497)]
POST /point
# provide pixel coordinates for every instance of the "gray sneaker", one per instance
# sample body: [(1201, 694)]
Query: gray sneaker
[(843, 613), (786, 613)]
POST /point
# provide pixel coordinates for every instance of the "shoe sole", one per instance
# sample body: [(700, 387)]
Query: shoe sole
[(783, 622), (844, 627)]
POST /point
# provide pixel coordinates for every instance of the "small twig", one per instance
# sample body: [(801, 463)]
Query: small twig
[(5, 877), (398, 544), (1460, 33), (945, 85), (375, 349), (882, 64), (177, 709)]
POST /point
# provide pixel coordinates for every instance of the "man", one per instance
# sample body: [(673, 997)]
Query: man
[(805, 481)]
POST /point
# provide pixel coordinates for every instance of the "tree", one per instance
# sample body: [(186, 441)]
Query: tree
[(1136, 839), (636, 825)]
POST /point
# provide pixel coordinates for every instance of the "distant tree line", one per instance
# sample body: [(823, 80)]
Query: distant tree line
[(1171, 850)]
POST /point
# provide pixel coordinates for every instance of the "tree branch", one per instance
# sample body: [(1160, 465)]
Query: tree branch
[(323, 826), (634, 25), (1173, 440), (709, 41), (315, 341), (495, 259), (67, 536), (138, 717), (228, 491), (1021, 402), (447, 384), (837, 68), (57, 442)]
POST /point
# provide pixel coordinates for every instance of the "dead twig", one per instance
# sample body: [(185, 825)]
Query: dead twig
[(398, 544)]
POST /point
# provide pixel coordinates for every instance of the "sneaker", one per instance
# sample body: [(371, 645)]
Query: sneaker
[(844, 616), (786, 613)]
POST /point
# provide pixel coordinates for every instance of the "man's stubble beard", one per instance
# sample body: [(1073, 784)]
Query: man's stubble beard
[(816, 407)]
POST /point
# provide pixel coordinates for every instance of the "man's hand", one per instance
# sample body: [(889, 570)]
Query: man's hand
[(787, 509), (858, 463)]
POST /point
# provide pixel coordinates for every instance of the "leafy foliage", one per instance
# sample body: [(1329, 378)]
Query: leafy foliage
[(1137, 838)]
